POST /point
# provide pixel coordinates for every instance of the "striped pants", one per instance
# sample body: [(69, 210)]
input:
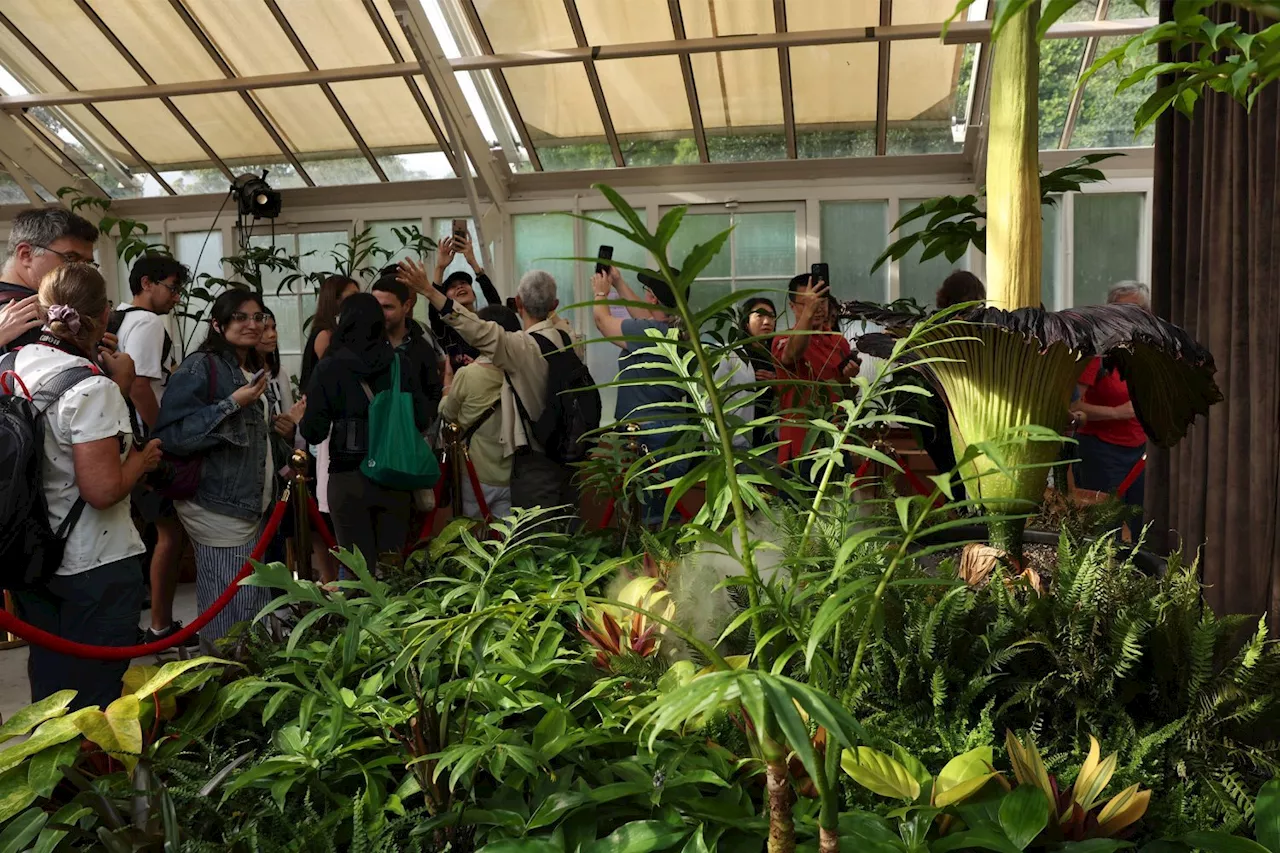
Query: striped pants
[(215, 569)]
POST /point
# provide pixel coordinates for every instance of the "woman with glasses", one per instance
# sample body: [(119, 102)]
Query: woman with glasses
[(215, 411), (759, 320)]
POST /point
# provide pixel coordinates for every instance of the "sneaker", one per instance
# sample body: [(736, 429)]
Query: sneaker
[(190, 646)]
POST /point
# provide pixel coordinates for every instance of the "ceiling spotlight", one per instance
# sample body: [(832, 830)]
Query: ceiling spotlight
[(254, 196)]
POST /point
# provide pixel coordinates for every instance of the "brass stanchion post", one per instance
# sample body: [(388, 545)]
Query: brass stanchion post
[(455, 460), (301, 518)]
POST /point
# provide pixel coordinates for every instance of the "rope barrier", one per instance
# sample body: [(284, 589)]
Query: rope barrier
[(32, 634)]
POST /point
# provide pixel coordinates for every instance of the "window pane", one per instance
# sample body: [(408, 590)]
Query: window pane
[(1049, 259), (764, 243), (698, 228), (921, 280), (602, 357), (1106, 118), (385, 238), (1059, 65), (201, 251), (272, 279), (541, 239), (442, 228), (1108, 227), (703, 293), (853, 236), (288, 321), (322, 253)]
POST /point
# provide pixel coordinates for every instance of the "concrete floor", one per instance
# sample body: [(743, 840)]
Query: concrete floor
[(15, 692)]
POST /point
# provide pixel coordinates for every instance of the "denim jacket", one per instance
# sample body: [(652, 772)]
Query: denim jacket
[(231, 441)]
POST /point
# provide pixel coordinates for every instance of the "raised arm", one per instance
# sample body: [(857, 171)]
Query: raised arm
[(807, 303), (609, 325), (503, 347), (491, 295), (625, 292)]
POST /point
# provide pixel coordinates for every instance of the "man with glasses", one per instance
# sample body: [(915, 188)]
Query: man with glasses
[(40, 240), (156, 282)]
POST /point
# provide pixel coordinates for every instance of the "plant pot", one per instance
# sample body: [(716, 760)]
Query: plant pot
[(1145, 561)]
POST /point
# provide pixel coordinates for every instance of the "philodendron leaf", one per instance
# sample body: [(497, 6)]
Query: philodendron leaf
[(879, 773), (20, 831), (1023, 815), (1211, 841), (963, 776), (33, 715), (639, 836), (1266, 816)]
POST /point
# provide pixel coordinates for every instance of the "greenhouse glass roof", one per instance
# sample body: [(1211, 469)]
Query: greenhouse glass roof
[(165, 97)]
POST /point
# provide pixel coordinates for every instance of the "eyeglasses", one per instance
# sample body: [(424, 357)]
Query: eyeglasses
[(68, 257), (175, 289), (762, 312), (241, 317)]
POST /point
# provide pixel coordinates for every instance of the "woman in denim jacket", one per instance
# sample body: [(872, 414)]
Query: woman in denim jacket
[(214, 409)]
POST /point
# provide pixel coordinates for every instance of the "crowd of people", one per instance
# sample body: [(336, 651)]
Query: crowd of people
[(137, 439)]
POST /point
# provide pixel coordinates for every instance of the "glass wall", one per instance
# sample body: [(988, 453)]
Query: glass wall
[(760, 253), (917, 279), (1106, 245), (854, 234)]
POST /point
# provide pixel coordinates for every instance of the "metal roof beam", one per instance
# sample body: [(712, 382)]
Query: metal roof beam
[(593, 79), (784, 77), (456, 115), (27, 155), (961, 32), (882, 82), (305, 56), (394, 50), (198, 32), (690, 84)]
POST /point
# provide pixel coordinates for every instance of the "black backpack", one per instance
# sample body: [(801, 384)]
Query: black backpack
[(30, 551), (573, 405)]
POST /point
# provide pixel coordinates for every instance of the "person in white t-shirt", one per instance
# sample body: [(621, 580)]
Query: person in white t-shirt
[(90, 464), (156, 282)]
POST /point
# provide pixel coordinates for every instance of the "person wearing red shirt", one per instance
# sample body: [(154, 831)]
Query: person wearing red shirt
[(805, 359), (1111, 439)]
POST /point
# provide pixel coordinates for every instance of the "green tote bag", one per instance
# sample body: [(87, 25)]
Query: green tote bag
[(399, 457)]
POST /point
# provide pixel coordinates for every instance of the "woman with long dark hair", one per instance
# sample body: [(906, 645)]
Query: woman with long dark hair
[(214, 408), (333, 291), (759, 320), (366, 516)]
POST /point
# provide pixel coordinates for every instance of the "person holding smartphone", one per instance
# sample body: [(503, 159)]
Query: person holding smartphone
[(804, 359), (215, 409), (458, 287)]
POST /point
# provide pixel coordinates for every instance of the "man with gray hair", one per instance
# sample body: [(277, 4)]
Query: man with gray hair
[(536, 480), (1129, 293), (40, 239)]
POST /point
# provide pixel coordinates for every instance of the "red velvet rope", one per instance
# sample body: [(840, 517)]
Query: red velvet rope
[(317, 521), (32, 634), (1132, 477)]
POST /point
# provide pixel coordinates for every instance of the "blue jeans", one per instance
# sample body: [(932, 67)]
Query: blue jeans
[(1103, 467)]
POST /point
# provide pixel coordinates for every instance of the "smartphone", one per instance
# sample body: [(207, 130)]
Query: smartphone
[(460, 229), (257, 376), (604, 252), (820, 272)]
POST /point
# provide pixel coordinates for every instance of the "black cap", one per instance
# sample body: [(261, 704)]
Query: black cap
[(659, 287)]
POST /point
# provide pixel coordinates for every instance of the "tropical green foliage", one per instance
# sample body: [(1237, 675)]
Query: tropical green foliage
[(958, 222), (1138, 660)]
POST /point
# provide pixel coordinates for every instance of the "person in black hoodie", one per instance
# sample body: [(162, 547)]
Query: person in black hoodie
[(366, 516), (458, 287)]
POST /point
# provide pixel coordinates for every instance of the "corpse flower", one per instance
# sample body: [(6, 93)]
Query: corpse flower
[(997, 371)]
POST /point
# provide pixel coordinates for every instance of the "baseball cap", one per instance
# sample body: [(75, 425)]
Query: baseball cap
[(659, 287)]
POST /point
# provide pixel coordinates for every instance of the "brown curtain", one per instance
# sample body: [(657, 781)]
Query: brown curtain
[(1216, 272)]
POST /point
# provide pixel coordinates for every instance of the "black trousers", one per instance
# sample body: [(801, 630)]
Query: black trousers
[(102, 607), (367, 517)]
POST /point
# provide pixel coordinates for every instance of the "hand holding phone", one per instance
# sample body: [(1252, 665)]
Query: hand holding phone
[(604, 252), (820, 272)]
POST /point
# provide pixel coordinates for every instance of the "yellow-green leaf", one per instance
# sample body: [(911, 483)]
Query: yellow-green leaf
[(33, 715), (879, 773), (116, 730), (51, 733), (170, 671), (1094, 776), (1125, 808), (960, 791), (15, 794), (1027, 765), (962, 768)]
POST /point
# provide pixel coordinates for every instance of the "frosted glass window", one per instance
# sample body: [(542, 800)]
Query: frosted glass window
[(918, 279), (759, 254), (1049, 258), (320, 254), (442, 228), (201, 251), (542, 240), (385, 238), (1106, 243), (854, 234), (602, 357)]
